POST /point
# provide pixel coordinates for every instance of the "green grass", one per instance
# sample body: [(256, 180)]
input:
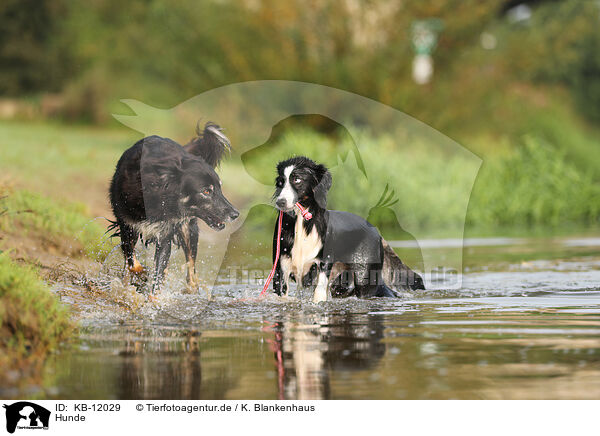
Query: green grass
[(32, 321), (64, 162), (55, 181), (43, 150), (60, 224)]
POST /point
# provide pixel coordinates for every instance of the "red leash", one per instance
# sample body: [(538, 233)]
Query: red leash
[(306, 215), (266, 286)]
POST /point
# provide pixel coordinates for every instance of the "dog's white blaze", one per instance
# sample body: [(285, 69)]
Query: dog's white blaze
[(288, 193), (321, 289)]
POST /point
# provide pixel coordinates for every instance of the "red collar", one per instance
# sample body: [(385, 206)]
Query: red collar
[(305, 213)]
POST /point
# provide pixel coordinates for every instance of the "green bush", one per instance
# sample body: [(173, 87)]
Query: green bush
[(535, 185)]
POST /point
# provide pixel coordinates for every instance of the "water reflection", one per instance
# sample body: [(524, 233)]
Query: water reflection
[(143, 363), (305, 354), (522, 330), (153, 369), (427, 351)]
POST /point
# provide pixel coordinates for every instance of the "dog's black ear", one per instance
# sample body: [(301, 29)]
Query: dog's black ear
[(210, 144), (323, 185)]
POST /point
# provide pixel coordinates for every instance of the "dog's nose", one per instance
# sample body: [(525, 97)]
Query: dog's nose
[(234, 215), (281, 203)]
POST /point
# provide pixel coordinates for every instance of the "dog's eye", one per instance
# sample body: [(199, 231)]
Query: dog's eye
[(208, 191), (279, 183), (297, 181)]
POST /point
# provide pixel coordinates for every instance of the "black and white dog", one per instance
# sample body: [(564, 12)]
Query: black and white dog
[(158, 192), (347, 255)]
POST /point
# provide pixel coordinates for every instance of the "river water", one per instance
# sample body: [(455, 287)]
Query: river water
[(525, 325)]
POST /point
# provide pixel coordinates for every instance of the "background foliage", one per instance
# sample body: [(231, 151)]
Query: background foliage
[(527, 100)]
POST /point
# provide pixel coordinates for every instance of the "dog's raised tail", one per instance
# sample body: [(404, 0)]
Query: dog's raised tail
[(396, 274), (210, 144)]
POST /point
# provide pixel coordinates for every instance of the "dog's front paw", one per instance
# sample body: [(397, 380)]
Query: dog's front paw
[(193, 284), (320, 295), (321, 289)]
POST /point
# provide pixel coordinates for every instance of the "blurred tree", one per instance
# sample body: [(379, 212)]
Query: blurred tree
[(563, 46), (98, 51), (164, 52), (30, 59)]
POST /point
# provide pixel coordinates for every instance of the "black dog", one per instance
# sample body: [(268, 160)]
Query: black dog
[(344, 251), (158, 191)]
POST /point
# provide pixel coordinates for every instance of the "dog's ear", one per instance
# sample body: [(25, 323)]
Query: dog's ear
[(210, 144), (323, 185)]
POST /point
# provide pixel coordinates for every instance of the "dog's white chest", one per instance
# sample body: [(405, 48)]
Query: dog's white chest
[(304, 252), (156, 229)]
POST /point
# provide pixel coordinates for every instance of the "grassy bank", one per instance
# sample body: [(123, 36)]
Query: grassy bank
[(44, 234), (67, 163), (36, 226), (32, 322)]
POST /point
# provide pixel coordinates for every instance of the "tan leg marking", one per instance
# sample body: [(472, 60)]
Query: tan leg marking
[(137, 267)]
